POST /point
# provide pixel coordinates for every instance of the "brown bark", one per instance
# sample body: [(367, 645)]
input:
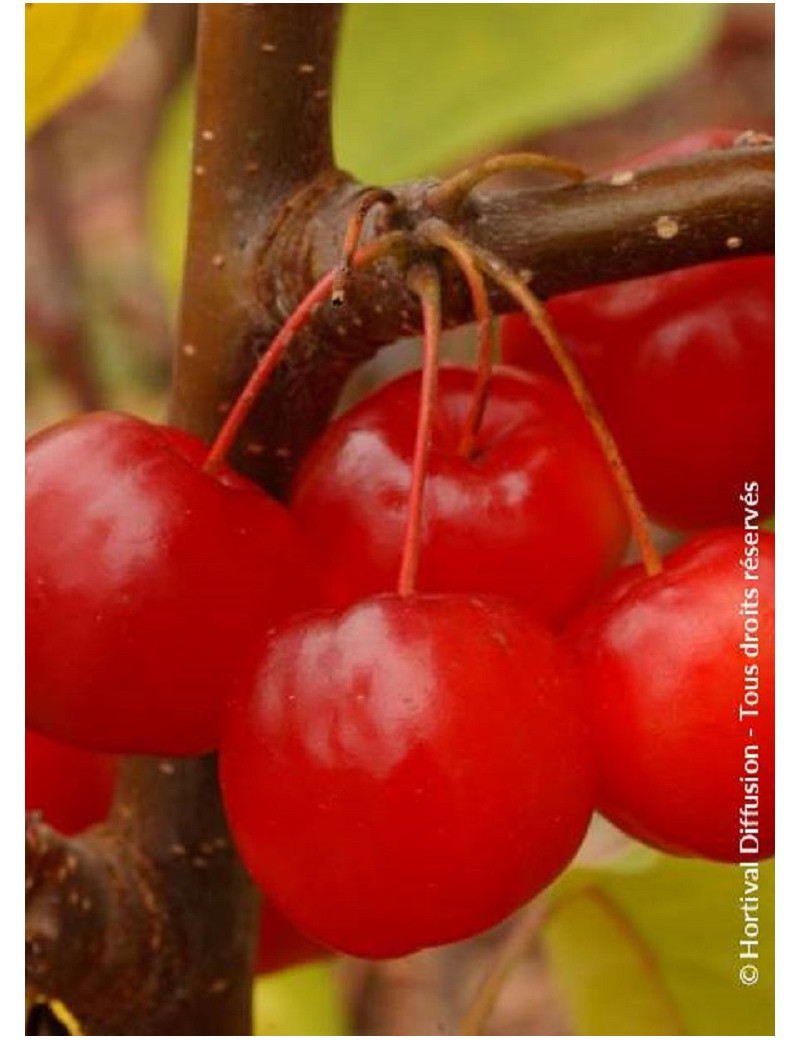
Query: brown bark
[(147, 924), (566, 238)]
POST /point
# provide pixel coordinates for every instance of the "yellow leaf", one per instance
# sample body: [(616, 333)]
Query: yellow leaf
[(606, 973), (66, 47), (301, 1001), (653, 948)]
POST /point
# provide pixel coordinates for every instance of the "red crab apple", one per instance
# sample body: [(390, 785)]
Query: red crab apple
[(679, 669), (408, 771), (147, 581), (71, 788), (533, 513), (683, 368)]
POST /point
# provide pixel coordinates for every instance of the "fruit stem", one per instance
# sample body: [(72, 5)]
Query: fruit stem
[(229, 431), (518, 941), (494, 268), (447, 197), (367, 200), (423, 279), (440, 236)]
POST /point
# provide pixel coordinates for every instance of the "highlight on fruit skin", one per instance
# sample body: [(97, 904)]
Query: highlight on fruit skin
[(679, 670), (409, 771), (147, 580), (532, 514)]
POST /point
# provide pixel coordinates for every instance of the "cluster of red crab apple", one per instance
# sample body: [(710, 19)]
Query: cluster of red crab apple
[(403, 769)]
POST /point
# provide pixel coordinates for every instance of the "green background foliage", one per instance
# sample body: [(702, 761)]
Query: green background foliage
[(421, 86)]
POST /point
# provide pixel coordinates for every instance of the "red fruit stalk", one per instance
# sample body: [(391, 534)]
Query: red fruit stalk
[(493, 267), (272, 357), (425, 282), (483, 317)]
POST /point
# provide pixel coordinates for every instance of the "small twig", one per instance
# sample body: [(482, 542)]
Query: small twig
[(411, 996), (447, 197), (518, 941), (367, 201)]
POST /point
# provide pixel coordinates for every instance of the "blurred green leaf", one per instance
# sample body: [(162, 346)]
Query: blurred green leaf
[(654, 950), (168, 195), (421, 86), (303, 1001), (66, 47)]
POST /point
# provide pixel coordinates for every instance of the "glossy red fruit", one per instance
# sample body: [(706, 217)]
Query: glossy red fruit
[(409, 771), (71, 788), (280, 945), (147, 580), (683, 368), (664, 666), (534, 514)]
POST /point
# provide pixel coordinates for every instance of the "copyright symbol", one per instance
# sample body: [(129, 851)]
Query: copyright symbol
[(748, 974)]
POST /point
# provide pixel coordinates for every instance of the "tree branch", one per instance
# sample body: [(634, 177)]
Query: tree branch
[(117, 921), (147, 925), (709, 207), (262, 133)]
